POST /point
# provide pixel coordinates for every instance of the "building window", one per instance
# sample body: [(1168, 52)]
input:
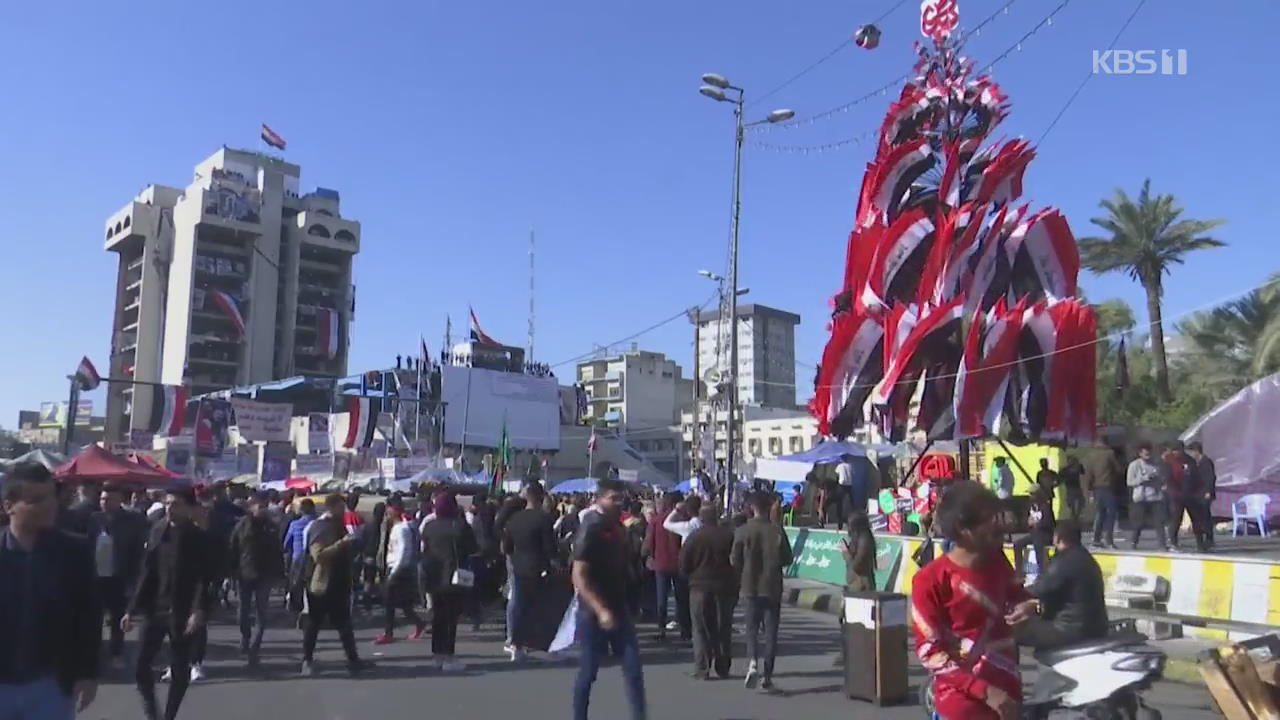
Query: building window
[(126, 220), (753, 446), (775, 446), (797, 444), (344, 236), (318, 231)]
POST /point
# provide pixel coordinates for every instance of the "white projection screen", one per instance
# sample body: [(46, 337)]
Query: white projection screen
[(482, 401)]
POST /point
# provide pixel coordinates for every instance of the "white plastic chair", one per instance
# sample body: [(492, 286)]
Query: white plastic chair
[(1250, 509)]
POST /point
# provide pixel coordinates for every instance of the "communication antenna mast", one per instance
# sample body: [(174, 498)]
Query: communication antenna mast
[(529, 357)]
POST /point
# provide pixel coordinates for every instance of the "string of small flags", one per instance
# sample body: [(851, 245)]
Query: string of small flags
[(858, 139), (883, 89)]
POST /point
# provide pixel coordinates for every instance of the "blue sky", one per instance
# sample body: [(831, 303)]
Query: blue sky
[(451, 129)]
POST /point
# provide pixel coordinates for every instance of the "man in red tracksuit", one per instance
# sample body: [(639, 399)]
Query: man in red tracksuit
[(662, 547)]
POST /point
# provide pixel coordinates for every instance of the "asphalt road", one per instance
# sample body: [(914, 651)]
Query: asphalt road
[(403, 684)]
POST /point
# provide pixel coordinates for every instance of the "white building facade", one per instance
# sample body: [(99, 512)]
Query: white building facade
[(766, 353), (241, 231)]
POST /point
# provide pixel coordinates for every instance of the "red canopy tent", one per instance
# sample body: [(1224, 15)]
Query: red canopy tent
[(149, 462), (95, 464)]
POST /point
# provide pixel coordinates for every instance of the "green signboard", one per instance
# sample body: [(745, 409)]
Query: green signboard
[(818, 557)]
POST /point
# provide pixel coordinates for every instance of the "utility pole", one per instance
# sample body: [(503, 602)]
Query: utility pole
[(696, 316), (531, 287), (731, 433)]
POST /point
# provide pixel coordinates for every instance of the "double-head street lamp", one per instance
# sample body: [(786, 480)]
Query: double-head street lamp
[(718, 88)]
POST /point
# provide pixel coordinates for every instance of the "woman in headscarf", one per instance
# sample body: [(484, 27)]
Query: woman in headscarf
[(448, 544), (859, 550)]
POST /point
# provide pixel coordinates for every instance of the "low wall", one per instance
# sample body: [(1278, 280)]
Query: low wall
[(1213, 587)]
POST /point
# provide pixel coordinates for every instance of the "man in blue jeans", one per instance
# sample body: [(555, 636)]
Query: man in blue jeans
[(600, 578), (258, 566)]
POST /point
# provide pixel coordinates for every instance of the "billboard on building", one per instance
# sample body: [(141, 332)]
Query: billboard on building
[(54, 414), (482, 402)]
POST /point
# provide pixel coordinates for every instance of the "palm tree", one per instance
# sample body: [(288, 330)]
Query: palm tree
[(1236, 342), (1147, 239)]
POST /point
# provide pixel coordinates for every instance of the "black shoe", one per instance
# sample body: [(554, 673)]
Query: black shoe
[(699, 675), (766, 685), (358, 666), (244, 648)]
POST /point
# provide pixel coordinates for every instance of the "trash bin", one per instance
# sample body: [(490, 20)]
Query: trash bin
[(874, 645)]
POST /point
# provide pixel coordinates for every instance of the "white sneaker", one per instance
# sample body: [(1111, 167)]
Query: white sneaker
[(673, 625), (518, 654), (753, 676), (167, 676), (197, 672), (452, 665)]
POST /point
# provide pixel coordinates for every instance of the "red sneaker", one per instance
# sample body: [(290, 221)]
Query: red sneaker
[(419, 632), (384, 639)]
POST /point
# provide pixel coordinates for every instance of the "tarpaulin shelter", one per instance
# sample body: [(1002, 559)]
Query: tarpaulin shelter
[(95, 464), (795, 467), (1240, 436)]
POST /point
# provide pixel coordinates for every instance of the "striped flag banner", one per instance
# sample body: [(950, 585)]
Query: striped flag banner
[(87, 375), (227, 304), (328, 321), (361, 423), (272, 138), (168, 408)]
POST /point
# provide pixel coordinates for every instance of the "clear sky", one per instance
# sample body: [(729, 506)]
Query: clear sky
[(453, 128)]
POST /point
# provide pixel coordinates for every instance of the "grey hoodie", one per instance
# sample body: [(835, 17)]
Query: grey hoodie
[(1144, 481)]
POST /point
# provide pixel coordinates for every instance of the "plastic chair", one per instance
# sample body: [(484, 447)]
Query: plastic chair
[(1250, 509)]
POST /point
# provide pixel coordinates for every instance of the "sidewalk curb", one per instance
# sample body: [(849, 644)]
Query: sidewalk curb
[(830, 601)]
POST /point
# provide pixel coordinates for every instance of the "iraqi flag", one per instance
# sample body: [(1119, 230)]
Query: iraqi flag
[(229, 307), (477, 334), (328, 332), (272, 138), (168, 408), (361, 423), (87, 375)]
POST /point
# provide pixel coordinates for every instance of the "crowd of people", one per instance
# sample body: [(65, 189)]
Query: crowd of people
[(166, 563)]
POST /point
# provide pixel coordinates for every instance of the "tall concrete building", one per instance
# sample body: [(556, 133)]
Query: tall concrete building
[(766, 353), (240, 240)]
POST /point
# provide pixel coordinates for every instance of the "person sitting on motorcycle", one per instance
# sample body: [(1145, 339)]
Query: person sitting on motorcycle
[(1071, 597)]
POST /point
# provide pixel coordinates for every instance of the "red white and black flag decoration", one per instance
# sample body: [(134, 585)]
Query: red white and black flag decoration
[(477, 334), (272, 138), (953, 290), (229, 307), (87, 375), (362, 421), (168, 409), (328, 322)]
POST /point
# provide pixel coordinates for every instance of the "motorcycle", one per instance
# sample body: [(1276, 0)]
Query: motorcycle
[(1097, 680)]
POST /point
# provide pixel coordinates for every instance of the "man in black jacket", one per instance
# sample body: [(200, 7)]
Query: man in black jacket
[(1204, 490), (50, 623), (258, 566), (713, 593), (119, 538), (1071, 593), (173, 597), (761, 552)]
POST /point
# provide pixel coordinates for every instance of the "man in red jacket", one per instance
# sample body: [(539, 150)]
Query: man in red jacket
[(662, 547)]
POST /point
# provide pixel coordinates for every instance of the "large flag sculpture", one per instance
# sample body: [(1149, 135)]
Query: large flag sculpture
[(955, 292)]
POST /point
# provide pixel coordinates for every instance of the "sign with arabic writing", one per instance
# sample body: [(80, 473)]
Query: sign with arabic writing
[(818, 557)]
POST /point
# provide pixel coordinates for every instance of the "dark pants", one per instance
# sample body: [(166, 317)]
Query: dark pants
[(446, 608), (596, 644), (398, 592), (763, 613), (1201, 509), (154, 632), (111, 593), (1074, 498), (1104, 519), (1142, 514), (1194, 509), (524, 593), (334, 607), (1039, 540), (1038, 633), (200, 645), (255, 603), (667, 583), (712, 615)]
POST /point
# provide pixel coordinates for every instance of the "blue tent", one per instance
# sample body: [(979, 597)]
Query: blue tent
[(687, 486), (578, 485), (795, 467)]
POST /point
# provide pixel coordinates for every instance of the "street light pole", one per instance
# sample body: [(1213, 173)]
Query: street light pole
[(715, 87), (731, 434)]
